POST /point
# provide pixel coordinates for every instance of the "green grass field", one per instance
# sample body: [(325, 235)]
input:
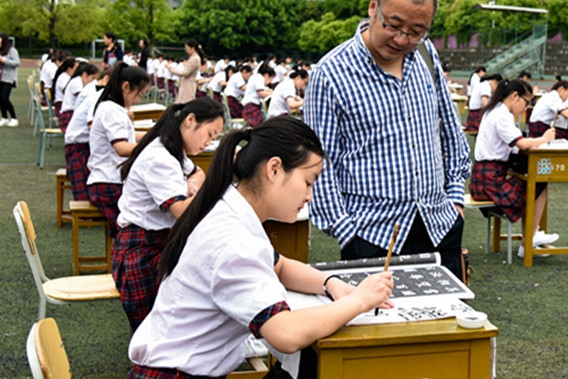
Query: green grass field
[(527, 304)]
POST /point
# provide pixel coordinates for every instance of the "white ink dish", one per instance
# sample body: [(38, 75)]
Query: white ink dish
[(472, 320)]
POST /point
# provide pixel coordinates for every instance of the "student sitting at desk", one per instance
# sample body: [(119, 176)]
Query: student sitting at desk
[(480, 98), (285, 96), (221, 279), (160, 181), (497, 137), (548, 108), (113, 138)]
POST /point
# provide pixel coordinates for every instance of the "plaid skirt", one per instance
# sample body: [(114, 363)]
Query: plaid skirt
[(473, 120), (135, 258), (64, 118), (76, 156), (143, 372), (217, 97), (253, 114), (537, 129), (199, 93), (489, 181), (57, 109), (160, 82), (105, 197), (235, 107)]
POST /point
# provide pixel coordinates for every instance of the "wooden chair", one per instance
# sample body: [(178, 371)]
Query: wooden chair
[(495, 235), (45, 134), (45, 351), (62, 290), (62, 183), (48, 359)]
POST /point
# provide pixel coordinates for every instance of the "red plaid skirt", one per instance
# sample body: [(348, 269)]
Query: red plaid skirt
[(235, 107), (135, 257), (143, 372), (199, 93), (489, 181), (57, 109), (473, 120), (537, 129), (76, 156), (105, 197), (217, 97), (253, 114), (64, 118)]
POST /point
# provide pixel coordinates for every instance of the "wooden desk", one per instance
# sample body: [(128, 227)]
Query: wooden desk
[(544, 166), (150, 111), (460, 102), (431, 349)]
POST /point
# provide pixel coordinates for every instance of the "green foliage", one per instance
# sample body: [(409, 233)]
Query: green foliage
[(327, 33)]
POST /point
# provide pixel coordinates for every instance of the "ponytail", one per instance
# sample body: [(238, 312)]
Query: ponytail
[(504, 89), (283, 136), (121, 72)]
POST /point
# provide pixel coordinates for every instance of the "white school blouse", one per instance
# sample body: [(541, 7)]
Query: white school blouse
[(155, 177), (480, 90), (110, 123), (61, 83), (278, 104), (215, 83), (255, 84), (71, 92), (497, 132), (78, 128), (224, 278), (234, 85), (546, 108)]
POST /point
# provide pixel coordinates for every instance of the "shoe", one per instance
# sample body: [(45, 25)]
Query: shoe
[(4, 122), (541, 238), (13, 123), (521, 253)]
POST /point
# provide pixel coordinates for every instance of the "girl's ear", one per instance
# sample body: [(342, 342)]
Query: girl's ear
[(125, 87), (273, 168)]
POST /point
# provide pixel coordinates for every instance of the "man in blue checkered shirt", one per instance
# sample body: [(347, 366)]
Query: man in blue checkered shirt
[(397, 154)]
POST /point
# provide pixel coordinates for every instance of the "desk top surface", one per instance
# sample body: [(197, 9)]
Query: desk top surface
[(404, 333)]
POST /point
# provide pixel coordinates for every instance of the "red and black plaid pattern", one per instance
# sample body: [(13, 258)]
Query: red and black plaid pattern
[(57, 109), (235, 107), (143, 372), (164, 207), (172, 87), (135, 258), (199, 93), (42, 95), (253, 115), (217, 97), (160, 82), (76, 156), (489, 181), (264, 315), (105, 197), (64, 118), (473, 120), (537, 129)]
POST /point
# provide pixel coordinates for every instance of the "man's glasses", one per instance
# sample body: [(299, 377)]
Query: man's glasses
[(395, 31)]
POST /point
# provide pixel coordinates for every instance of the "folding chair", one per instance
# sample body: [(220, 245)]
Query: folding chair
[(44, 133), (64, 290)]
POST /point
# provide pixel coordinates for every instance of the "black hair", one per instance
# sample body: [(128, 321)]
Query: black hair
[(6, 44), (497, 77), (198, 49), (89, 68), (230, 68), (111, 36), (560, 83), (167, 128), (136, 77), (67, 63), (246, 68), (301, 73), (285, 137), (524, 73), (476, 71), (265, 69), (504, 89)]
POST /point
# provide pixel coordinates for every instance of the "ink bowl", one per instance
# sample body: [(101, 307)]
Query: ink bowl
[(471, 320)]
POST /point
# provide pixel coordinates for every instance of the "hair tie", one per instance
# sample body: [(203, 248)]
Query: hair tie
[(246, 135)]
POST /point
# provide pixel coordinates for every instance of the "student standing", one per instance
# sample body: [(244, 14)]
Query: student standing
[(144, 54), (160, 181), (113, 138), (547, 109), (9, 63), (112, 52), (256, 90), (221, 277), (497, 137), (77, 136)]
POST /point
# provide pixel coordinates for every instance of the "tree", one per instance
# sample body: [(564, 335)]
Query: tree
[(53, 21), (326, 34)]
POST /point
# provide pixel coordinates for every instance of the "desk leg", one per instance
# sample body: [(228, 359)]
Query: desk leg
[(529, 215), (75, 238)]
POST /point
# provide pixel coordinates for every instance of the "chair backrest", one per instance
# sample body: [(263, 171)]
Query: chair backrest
[(28, 236), (31, 85), (31, 353), (39, 114), (50, 351)]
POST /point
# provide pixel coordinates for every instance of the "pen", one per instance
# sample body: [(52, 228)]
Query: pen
[(389, 255)]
